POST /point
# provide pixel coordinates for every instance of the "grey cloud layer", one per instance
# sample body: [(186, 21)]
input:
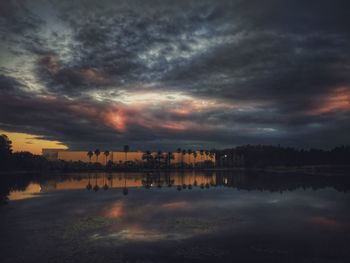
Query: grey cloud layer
[(285, 58)]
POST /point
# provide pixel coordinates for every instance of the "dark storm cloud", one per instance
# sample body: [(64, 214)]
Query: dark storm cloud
[(278, 71), (16, 18)]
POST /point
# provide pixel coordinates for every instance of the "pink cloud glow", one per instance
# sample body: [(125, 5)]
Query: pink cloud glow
[(115, 118), (338, 100), (176, 205), (115, 211)]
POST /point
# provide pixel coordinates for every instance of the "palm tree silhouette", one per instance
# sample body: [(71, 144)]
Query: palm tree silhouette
[(183, 156), (194, 157), (206, 154), (189, 152), (211, 155), (97, 153), (126, 148), (147, 156), (90, 154), (178, 152), (159, 157), (201, 152), (169, 157), (106, 153)]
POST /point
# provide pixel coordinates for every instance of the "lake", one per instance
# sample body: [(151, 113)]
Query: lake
[(175, 217)]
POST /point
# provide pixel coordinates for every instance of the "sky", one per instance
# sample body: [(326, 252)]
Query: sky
[(161, 74)]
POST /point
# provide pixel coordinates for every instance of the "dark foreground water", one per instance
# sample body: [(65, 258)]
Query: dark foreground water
[(202, 217)]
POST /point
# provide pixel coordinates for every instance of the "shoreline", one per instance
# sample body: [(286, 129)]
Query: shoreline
[(319, 170)]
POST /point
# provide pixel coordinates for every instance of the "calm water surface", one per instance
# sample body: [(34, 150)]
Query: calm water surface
[(175, 217)]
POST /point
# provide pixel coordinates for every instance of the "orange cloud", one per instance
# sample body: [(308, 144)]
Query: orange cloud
[(338, 100), (115, 118), (173, 126)]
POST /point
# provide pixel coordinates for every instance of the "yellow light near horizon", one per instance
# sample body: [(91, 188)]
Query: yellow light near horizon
[(30, 143)]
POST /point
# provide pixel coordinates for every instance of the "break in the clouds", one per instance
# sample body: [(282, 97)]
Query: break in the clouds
[(168, 74)]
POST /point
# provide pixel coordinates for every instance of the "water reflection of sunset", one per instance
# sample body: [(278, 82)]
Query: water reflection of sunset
[(176, 205), (328, 222), (116, 210), (29, 192), (119, 180)]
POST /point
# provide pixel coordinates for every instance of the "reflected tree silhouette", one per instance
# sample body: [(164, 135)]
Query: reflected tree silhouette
[(212, 182), (195, 183), (159, 183), (110, 179), (96, 187), (148, 157), (182, 181), (105, 186), (89, 186), (125, 189), (170, 182), (249, 181), (189, 184), (146, 182)]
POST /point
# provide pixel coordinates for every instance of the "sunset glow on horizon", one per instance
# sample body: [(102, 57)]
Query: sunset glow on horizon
[(24, 142)]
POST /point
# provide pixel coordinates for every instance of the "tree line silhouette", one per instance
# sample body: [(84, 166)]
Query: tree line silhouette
[(248, 156), (157, 160), (266, 155)]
